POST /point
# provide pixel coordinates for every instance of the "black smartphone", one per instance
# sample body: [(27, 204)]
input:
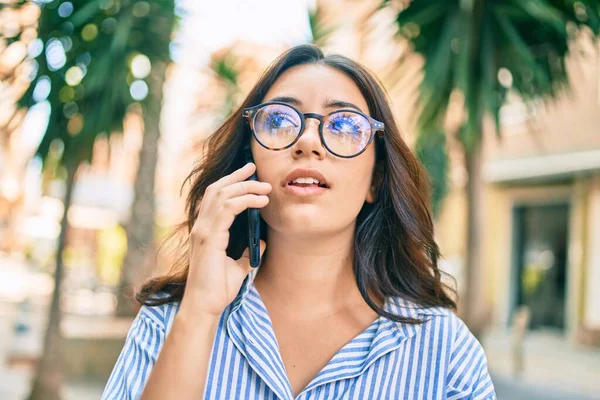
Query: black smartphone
[(253, 220)]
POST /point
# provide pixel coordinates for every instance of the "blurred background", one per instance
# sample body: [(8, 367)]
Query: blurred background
[(104, 106)]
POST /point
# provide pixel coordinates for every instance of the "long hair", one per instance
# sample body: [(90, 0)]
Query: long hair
[(395, 253)]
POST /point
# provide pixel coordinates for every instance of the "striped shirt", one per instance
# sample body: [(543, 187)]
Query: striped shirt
[(438, 359)]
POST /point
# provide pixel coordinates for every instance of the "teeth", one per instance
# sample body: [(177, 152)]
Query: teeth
[(306, 180)]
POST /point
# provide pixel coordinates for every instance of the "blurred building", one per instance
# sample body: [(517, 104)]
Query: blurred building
[(543, 207)]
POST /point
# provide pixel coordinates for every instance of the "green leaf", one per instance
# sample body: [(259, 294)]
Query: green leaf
[(431, 150), (84, 14)]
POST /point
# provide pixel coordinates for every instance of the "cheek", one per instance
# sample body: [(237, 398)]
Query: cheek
[(265, 161), (353, 185), (355, 188), (360, 173)]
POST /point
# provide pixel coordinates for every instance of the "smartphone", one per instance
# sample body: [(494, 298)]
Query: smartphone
[(253, 220)]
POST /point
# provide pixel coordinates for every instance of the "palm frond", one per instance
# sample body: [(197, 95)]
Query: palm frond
[(102, 95), (224, 68), (319, 30), (464, 48), (431, 150)]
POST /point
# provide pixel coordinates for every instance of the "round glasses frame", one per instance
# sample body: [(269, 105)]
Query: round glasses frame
[(250, 113)]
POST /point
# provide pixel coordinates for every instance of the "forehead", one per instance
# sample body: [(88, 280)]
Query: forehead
[(315, 84)]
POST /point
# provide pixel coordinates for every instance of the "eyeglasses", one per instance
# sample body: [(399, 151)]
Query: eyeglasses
[(345, 133)]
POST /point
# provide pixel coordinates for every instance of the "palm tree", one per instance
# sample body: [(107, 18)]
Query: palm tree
[(86, 78), (483, 50), (153, 36)]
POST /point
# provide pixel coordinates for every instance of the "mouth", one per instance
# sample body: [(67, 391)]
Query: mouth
[(305, 189), (303, 177), (306, 182)]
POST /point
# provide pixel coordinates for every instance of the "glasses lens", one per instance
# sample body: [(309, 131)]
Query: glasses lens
[(346, 133), (276, 126)]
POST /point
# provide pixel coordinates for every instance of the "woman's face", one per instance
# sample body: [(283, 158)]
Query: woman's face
[(291, 210)]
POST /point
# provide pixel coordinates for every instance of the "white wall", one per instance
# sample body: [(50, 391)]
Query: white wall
[(592, 282)]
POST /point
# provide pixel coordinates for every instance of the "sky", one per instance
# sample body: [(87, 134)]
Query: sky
[(214, 24)]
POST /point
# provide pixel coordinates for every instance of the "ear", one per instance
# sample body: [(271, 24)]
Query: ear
[(376, 182)]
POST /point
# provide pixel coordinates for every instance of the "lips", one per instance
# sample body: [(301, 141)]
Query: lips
[(305, 189), (306, 173)]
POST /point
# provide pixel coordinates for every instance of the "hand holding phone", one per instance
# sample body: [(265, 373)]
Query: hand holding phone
[(214, 278)]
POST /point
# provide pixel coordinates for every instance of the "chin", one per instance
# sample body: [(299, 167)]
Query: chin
[(300, 223)]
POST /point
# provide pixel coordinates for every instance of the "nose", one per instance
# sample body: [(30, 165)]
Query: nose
[(309, 141)]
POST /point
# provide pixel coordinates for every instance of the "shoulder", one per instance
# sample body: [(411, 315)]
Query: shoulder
[(443, 345), (437, 316), (443, 323), (442, 327), (467, 373), (441, 319), (140, 351), (160, 316), (439, 326), (445, 319)]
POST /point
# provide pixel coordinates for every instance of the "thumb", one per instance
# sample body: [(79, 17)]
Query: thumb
[(244, 260), (263, 247)]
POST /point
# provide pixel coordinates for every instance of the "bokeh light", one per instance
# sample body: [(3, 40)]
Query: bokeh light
[(505, 77), (66, 94), (140, 66), (109, 25), (75, 124), (35, 48), (42, 89), (89, 32), (74, 76), (65, 9), (141, 9), (138, 90), (70, 109), (55, 55)]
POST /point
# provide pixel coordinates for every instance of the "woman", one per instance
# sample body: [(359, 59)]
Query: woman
[(348, 301)]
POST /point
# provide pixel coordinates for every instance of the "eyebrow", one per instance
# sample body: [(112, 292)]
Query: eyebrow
[(328, 104)]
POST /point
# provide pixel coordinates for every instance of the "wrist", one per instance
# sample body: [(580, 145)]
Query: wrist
[(191, 313)]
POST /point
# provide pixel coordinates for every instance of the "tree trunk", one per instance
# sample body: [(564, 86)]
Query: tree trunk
[(49, 377), (140, 229), (473, 300)]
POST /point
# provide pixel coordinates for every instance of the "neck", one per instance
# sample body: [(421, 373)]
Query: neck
[(313, 276)]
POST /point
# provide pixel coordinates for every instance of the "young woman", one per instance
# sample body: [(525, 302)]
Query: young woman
[(348, 301)]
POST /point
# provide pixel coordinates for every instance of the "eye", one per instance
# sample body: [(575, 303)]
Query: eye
[(344, 124), (280, 120)]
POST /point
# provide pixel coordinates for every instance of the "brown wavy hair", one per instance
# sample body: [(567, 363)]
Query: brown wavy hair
[(395, 251)]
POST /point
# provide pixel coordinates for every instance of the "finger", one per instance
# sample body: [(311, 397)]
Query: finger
[(236, 176), (244, 260), (235, 206), (263, 247), (244, 187)]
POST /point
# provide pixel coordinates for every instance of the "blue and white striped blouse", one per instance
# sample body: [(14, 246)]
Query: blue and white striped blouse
[(439, 359)]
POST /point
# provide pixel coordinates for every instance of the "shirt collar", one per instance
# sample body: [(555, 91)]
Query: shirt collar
[(259, 345), (394, 305)]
